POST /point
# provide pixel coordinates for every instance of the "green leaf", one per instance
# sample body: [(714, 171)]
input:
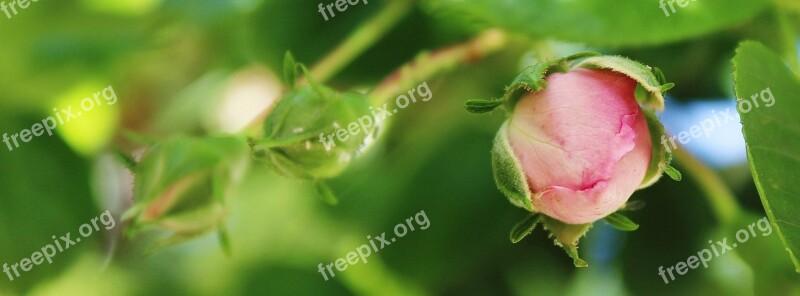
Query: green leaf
[(289, 70), (605, 22), (772, 134), (621, 222), (482, 106), (508, 172), (523, 228)]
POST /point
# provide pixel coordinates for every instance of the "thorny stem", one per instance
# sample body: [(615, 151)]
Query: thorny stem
[(427, 65), (424, 67)]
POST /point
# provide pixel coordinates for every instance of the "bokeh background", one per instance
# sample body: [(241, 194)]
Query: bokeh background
[(203, 67)]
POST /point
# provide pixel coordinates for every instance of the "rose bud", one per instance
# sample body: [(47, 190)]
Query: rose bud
[(183, 185), (579, 141), (314, 132), (583, 144)]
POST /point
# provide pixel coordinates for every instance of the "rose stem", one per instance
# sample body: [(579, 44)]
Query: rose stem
[(427, 65)]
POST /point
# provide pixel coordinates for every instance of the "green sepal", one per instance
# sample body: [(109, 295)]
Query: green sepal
[(660, 76), (289, 70), (666, 163), (572, 251), (654, 170), (126, 159), (667, 86), (633, 205), (279, 163), (319, 88), (673, 173), (524, 228), (532, 78), (620, 222), (661, 156), (482, 106), (326, 193), (508, 174), (651, 80), (567, 236)]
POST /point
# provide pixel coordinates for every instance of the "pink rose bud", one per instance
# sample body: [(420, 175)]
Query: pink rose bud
[(583, 143), (578, 143)]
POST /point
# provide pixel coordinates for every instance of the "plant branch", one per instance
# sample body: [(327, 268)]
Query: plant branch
[(427, 65), (723, 202), (368, 33)]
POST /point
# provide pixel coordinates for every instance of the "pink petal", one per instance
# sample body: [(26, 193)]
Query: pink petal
[(583, 144)]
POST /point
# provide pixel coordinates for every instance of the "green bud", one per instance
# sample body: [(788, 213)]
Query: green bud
[(314, 132), (183, 185)]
